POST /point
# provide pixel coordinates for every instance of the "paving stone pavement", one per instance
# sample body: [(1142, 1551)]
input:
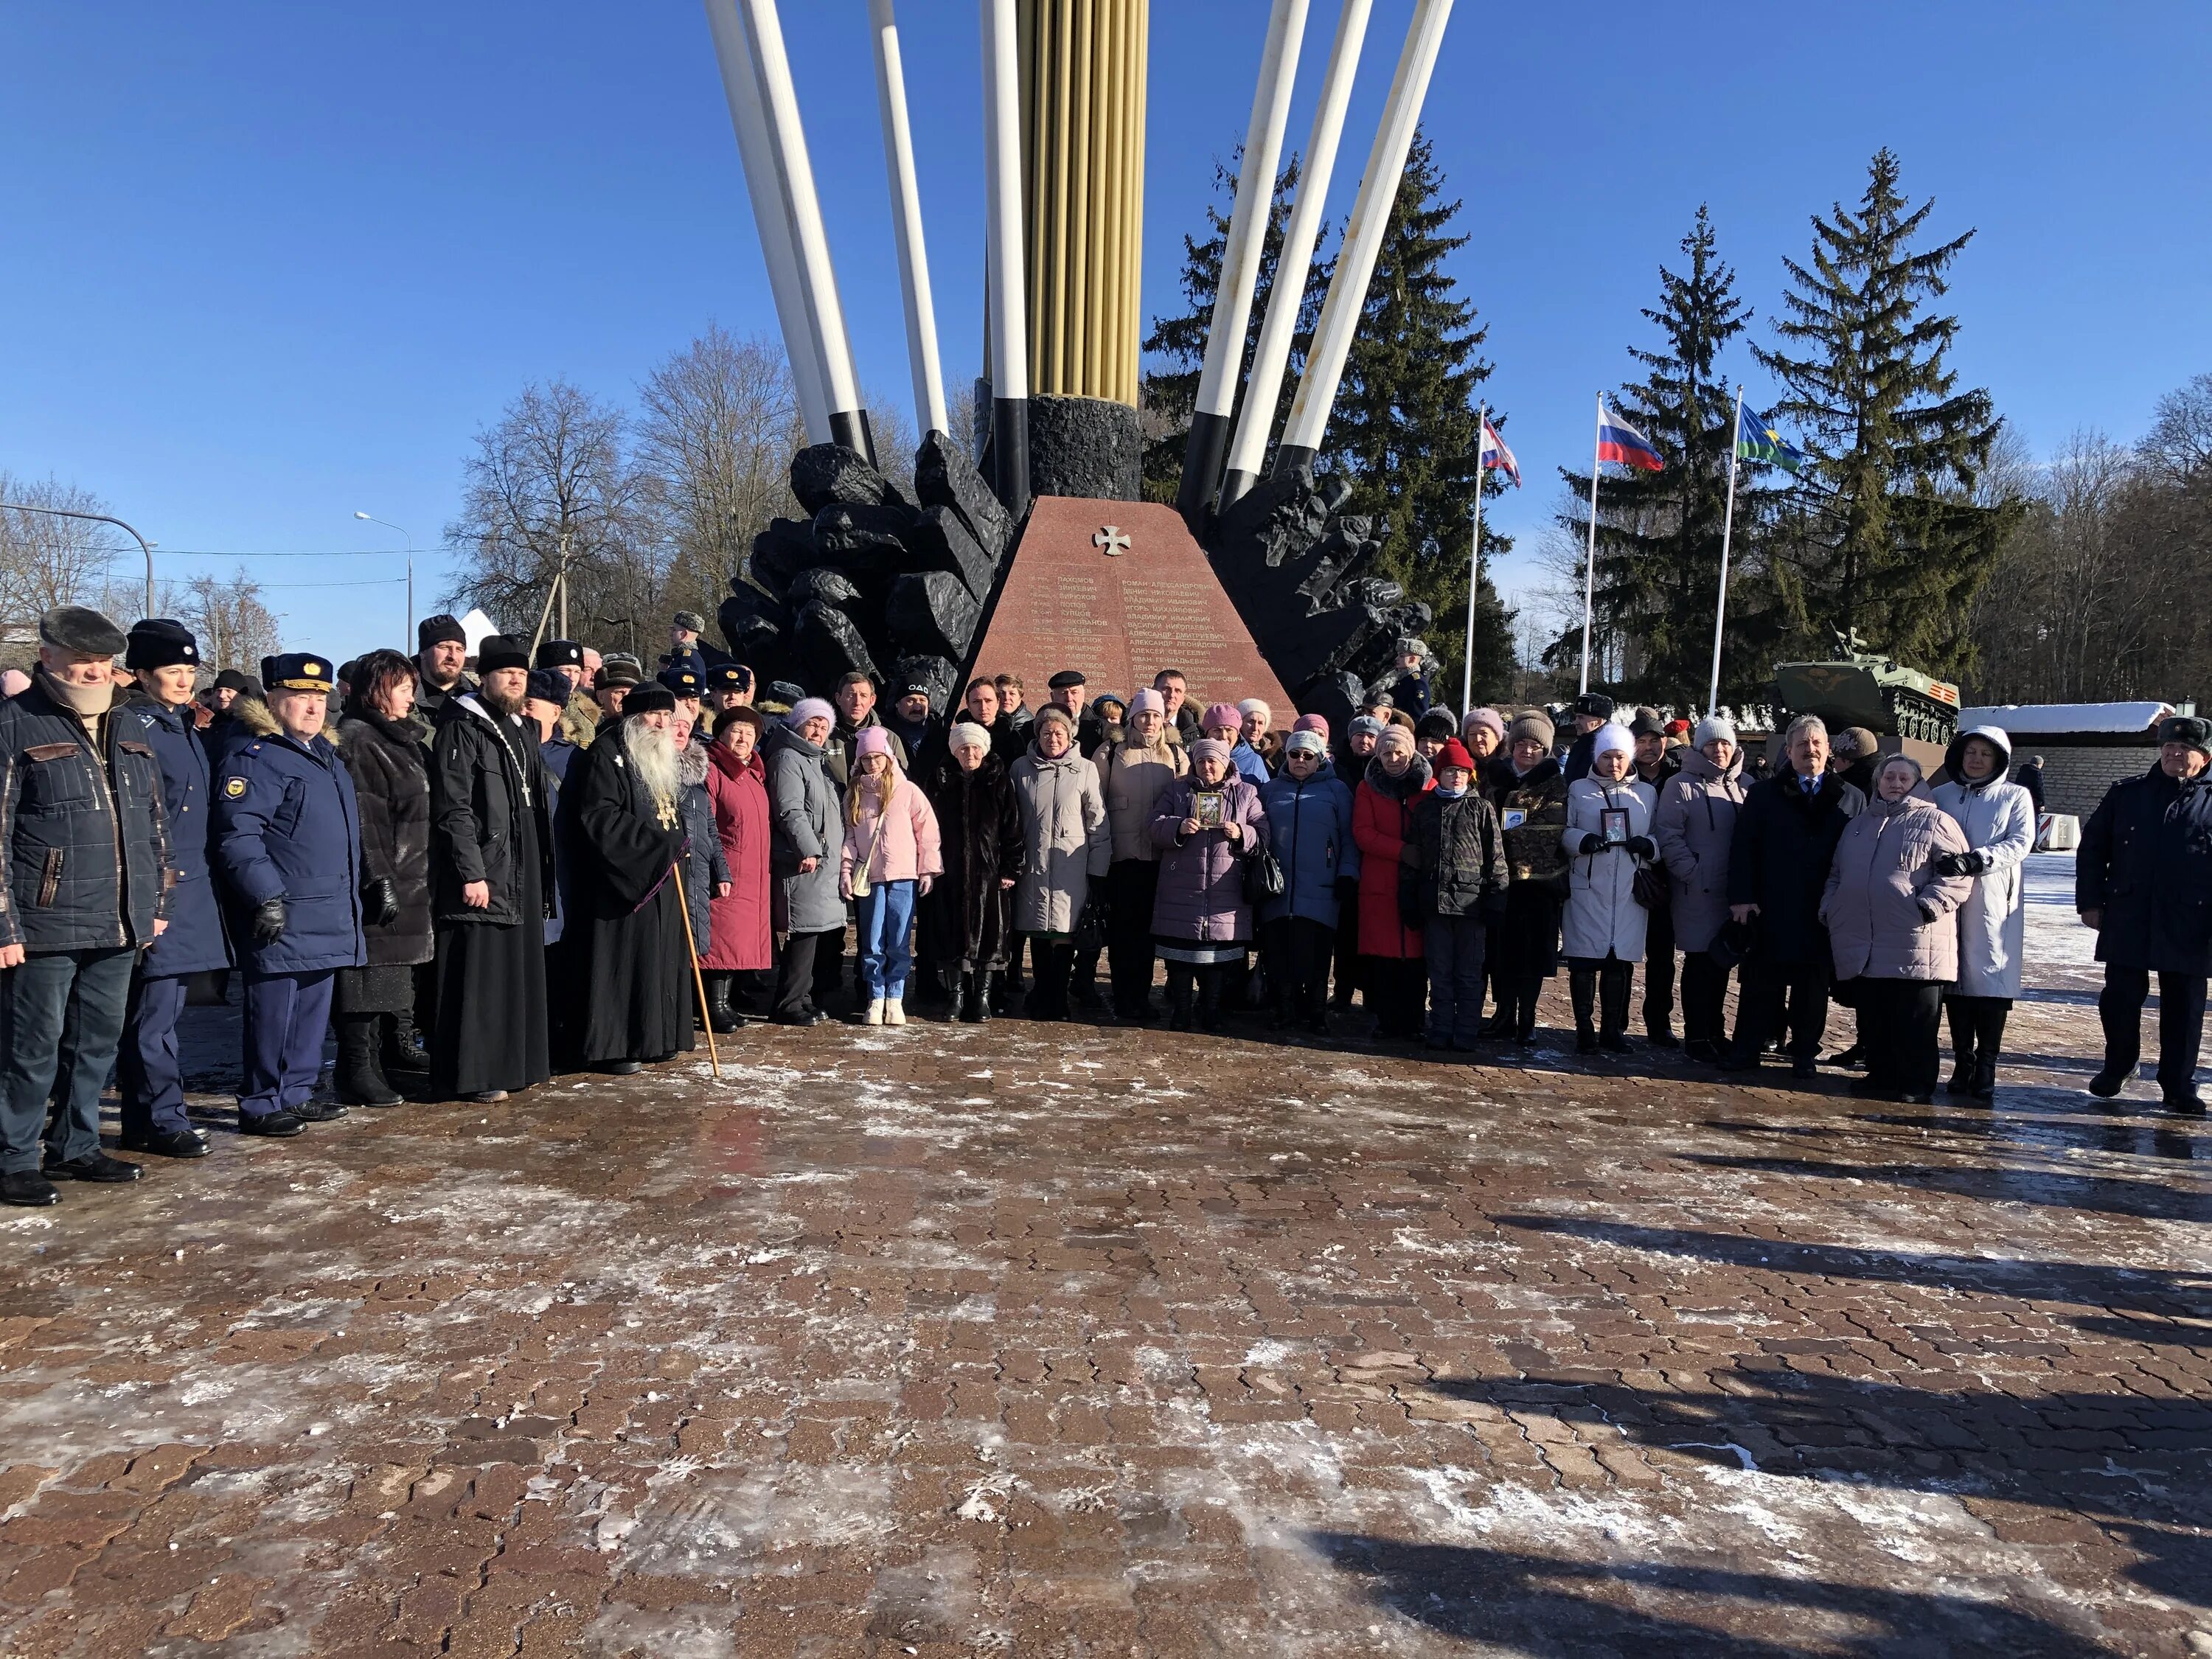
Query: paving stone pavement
[(1070, 1341)]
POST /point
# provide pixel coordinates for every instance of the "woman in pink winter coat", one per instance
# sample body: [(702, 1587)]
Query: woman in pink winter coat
[(1889, 912), (891, 853)]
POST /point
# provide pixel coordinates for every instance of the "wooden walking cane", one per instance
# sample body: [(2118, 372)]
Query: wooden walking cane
[(698, 979)]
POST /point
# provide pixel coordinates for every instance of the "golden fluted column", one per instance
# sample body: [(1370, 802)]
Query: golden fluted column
[(1083, 173)]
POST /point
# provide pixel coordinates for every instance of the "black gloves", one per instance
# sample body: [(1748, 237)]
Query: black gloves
[(269, 921), (1644, 847), (1961, 864), (1928, 914), (1592, 842), (380, 902)]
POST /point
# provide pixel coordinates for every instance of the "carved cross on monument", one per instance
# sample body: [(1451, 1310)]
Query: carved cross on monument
[(1113, 539)]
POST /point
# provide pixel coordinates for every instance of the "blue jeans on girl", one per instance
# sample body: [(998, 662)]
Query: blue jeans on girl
[(886, 920)]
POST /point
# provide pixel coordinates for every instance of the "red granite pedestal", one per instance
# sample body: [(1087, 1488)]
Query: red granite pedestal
[(1120, 590)]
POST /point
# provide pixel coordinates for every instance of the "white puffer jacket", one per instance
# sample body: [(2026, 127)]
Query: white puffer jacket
[(1998, 820), (1603, 916)]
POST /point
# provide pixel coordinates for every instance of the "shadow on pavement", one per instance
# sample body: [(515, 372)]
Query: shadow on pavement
[(1535, 1604)]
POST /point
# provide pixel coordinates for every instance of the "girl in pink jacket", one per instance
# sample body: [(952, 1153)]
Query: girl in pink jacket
[(890, 854)]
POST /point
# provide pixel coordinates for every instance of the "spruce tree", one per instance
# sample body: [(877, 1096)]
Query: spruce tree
[(1170, 388), (1659, 534), (1403, 431), (1898, 544)]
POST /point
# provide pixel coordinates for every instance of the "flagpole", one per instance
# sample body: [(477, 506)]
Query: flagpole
[(1589, 559), (1473, 569), (1728, 534)]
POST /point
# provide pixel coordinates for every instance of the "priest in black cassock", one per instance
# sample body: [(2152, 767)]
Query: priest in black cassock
[(491, 868), (623, 807)]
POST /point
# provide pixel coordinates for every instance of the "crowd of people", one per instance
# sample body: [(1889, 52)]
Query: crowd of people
[(480, 868)]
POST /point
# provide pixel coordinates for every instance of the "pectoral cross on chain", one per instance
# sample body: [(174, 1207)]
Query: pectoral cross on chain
[(1113, 539)]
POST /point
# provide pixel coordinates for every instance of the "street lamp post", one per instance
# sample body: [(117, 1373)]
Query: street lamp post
[(144, 546), (410, 540)]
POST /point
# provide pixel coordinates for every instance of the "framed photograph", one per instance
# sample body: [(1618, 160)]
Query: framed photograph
[(1613, 822), (1212, 806), (1515, 817)]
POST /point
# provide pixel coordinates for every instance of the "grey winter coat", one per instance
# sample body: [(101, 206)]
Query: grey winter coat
[(1066, 840), (1694, 824), (705, 868), (1603, 916), (1201, 891), (1998, 821), (1887, 913), (804, 824)]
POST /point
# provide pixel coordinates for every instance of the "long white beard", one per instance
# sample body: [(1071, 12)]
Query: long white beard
[(654, 754)]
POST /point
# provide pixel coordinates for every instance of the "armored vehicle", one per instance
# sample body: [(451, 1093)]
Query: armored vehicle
[(1859, 687)]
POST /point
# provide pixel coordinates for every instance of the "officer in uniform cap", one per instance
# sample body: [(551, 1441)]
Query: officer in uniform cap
[(579, 715), (729, 685), (84, 890), (165, 658), (287, 843)]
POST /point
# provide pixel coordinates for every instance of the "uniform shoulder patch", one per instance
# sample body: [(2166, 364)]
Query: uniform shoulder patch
[(233, 787)]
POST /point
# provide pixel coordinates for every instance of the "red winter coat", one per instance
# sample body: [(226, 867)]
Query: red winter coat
[(740, 925), (1381, 824)]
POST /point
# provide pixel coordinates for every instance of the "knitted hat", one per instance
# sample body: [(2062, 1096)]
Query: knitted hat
[(1306, 741), (1454, 753), (1490, 719), (1147, 701), (1052, 715), (1252, 706), (1611, 737), (809, 708), (1854, 743), (439, 630), (1312, 723), (1534, 723), (1712, 726), (966, 734), (1220, 715), (1209, 748), (234, 679), (1364, 726), (873, 740)]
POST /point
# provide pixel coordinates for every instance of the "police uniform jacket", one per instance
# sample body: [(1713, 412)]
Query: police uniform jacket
[(195, 941), (287, 826), (87, 847)]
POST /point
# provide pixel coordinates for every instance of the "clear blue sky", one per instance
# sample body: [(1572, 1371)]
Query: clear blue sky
[(264, 264)]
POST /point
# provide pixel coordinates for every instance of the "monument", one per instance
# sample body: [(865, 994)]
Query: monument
[(1027, 549)]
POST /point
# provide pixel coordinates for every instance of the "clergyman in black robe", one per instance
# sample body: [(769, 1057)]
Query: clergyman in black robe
[(626, 931), (491, 859)]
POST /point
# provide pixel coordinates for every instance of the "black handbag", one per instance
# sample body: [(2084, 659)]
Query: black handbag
[(1649, 889), (1263, 877)]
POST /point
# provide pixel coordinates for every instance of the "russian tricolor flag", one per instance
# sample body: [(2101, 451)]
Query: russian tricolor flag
[(1621, 442), (1495, 456)]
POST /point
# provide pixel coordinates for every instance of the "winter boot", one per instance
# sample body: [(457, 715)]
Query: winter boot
[(1984, 1085), (1581, 989), (875, 1011), (1963, 1032), (1182, 998), (1525, 993), (987, 996), (360, 1079), (720, 1016), (894, 1010), (1614, 981), (404, 1062)]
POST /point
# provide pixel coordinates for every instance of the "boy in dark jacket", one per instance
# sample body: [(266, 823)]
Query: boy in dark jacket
[(1455, 881)]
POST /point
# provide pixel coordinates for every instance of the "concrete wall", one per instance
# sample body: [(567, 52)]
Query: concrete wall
[(2075, 777)]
